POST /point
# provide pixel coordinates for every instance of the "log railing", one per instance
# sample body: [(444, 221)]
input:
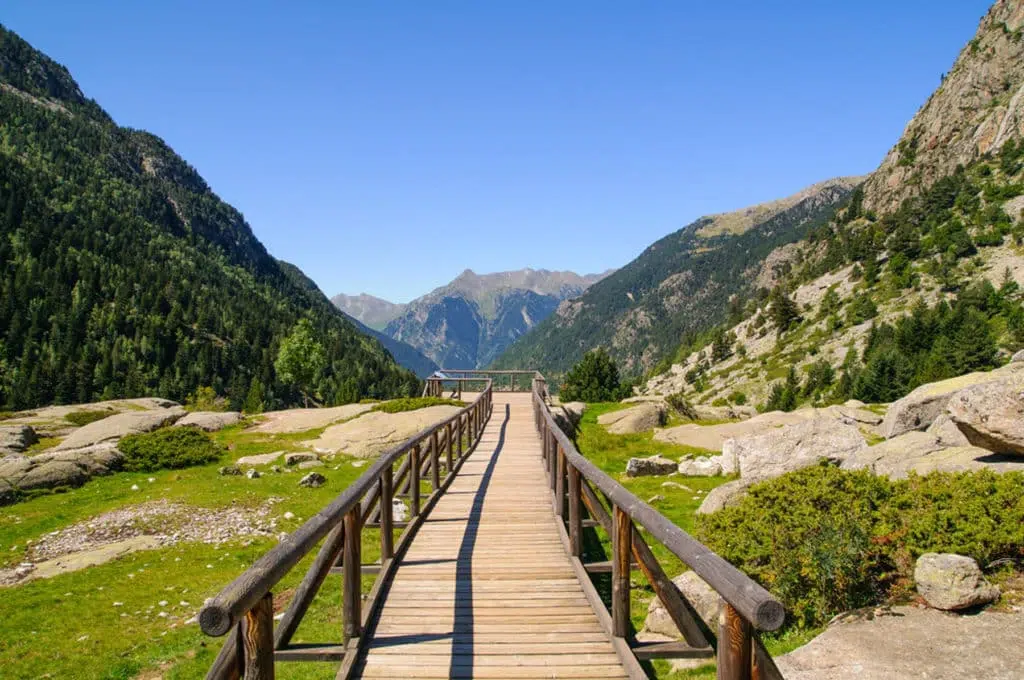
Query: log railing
[(244, 608), (458, 379), (578, 487)]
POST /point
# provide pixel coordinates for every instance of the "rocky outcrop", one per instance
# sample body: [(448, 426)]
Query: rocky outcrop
[(919, 409), (702, 597), (952, 582), (924, 452), (786, 449), (117, 426), (912, 642), (313, 480), (568, 416), (296, 420), (374, 433), (991, 415), (713, 437), (16, 438), (299, 457), (977, 109), (650, 467), (210, 421), (260, 459), (56, 468), (640, 418)]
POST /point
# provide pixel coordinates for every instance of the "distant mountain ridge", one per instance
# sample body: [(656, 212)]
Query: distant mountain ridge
[(471, 320), (368, 309)]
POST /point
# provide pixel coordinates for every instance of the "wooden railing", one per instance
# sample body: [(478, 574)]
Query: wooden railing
[(245, 607), (575, 487), (458, 379)]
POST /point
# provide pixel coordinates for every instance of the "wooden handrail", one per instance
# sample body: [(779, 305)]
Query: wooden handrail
[(748, 597), (243, 601)]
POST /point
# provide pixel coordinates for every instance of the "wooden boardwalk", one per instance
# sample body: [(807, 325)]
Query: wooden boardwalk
[(487, 590)]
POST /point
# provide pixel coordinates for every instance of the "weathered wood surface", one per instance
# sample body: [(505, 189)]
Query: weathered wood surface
[(486, 589)]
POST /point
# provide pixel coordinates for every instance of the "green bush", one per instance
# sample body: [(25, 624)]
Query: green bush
[(169, 448), (595, 378), (738, 398), (86, 416), (720, 401), (681, 405), (826, 540), (414, 403)]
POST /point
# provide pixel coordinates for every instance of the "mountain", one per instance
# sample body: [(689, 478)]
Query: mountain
[(369, 310), (470, 321), (122, 274), (978, 108), (405, 354), (919, 277), (680, 285)]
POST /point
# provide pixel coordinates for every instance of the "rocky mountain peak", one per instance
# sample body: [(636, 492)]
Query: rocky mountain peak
[(977, 109)]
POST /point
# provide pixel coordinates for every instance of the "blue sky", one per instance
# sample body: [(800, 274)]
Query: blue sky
[(386, 146)]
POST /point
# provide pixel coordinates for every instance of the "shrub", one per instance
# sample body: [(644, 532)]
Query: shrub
[(86, 416), (720, 402), (169, 448), (738, 398), (414, 403), (826, 540), (206, 399), (594, 378), (678, 403)]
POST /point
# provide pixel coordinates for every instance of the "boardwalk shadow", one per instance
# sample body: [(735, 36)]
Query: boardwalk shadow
[(462, 636)]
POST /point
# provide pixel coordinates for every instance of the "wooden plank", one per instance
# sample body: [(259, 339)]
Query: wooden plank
[(352, 583), (646, 651), (310, 652), (310, 585)]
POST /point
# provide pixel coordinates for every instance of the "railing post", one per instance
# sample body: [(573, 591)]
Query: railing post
[(622, 544), (352, 576), (435, 462), (735, 643), (560, 484), (458, 426), (575, 521), (258, 641), (414, 481), (387, 537), (552, 463), (448, 449)]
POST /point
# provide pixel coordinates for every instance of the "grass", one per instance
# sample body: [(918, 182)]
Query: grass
[(43, 444), (415, 403), (86, 416), (45, 621)]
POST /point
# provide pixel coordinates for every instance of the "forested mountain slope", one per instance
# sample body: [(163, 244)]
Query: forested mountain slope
[(370, 310), (122, 274), (681, 284)]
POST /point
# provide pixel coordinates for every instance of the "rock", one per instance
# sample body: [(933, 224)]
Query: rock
[(211, 421), (713, 437), (313, 480), (568, 416), (117, 426), (252, 473), (307, 464), (53, 474), (229, 471), (991, 415), (399, 510), (640, 418), (299, 457), (302, 419), (289, 515), (657, 498), (924, 452), (730, 412), (786, 449), (14, 466), (912, 642), (650, 466), (1018, 356), (946, 433), (702, 597), (701, 467), (920, 408), (852, 416), (16, 438), (8, 494), (261, 459), (854, 403), (371, 434), (724, 496), (675, 485), (952, 582), (277, 469)]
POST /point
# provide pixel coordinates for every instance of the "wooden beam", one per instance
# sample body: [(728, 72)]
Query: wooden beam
[(311, 582), (258, 640), (575, 519), (387, 536), (622, 541), (352, 581), (734, 645)]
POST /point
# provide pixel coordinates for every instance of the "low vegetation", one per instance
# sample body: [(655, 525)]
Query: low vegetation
[(86, 416), (826, 540), (169, 448), (415, 403)]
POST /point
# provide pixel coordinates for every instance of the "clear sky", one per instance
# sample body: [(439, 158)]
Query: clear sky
[(385, 146)]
